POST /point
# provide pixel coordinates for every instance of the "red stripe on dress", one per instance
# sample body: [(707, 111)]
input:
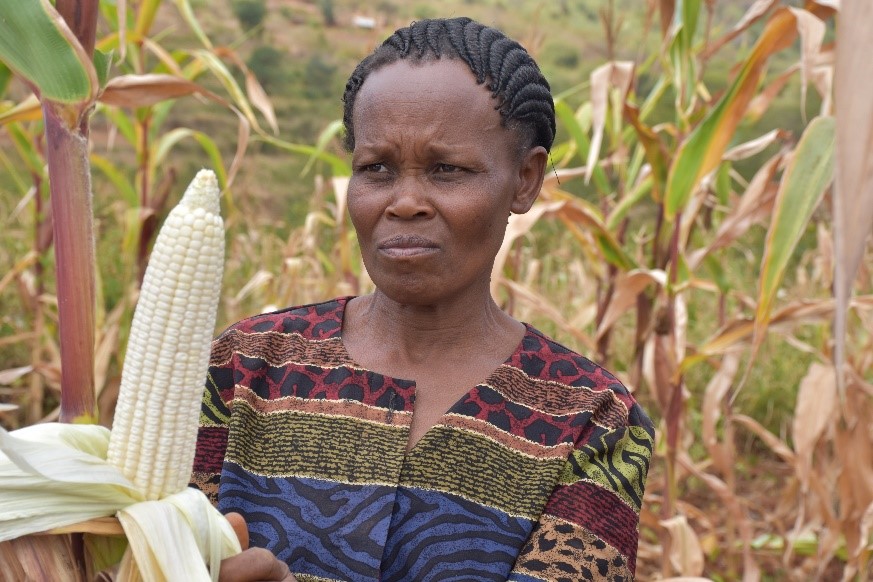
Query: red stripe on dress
[(211, 444), (600, 512)]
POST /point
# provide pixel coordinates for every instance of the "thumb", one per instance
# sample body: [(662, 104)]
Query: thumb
[(238, 523)]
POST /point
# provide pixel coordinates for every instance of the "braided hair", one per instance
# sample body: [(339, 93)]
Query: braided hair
[(513, 77)]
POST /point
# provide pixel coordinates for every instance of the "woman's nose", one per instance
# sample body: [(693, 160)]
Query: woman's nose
[(409, 201)]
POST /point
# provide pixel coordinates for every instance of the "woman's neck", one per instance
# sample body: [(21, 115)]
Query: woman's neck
[(419, 333)]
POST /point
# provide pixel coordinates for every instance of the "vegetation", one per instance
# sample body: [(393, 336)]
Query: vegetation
[(686, 237)]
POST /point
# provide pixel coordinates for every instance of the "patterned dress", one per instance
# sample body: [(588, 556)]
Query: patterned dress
[(535, 474)]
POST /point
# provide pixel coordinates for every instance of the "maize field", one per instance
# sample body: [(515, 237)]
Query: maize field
[(691, 238)]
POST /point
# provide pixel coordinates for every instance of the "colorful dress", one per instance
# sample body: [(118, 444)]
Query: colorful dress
[(535, 474)]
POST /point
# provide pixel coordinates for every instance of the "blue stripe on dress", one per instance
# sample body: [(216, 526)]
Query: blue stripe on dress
[(319, 527), (440, 536)]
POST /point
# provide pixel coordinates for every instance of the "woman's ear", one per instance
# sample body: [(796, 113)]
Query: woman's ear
[(530, 179)]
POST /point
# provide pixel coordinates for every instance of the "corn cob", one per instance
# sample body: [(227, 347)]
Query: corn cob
[(155, 428)]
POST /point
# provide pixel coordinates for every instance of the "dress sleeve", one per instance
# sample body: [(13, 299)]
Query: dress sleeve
[(589, 527), (214, 418)]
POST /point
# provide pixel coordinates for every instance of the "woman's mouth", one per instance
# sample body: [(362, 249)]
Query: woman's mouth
[(407, 245)]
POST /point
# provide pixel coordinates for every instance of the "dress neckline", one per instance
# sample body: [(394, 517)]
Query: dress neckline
[(344, 301), (489, 380)]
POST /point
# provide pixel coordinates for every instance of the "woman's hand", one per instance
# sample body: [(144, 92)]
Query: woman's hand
[(253, 564)]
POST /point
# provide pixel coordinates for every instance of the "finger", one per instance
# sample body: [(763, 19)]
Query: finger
[(254, 564), (238, 523)]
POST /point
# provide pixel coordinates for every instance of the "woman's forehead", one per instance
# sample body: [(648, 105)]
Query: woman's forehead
[(427, 94), (445, 79)]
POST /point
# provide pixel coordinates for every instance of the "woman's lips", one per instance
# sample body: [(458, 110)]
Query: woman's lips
[(407, 245)]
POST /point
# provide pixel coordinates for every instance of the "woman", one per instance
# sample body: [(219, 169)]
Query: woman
[(420, 432)]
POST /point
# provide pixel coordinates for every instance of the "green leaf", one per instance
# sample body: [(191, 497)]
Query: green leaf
[(5, 77), (225, 77), (27, 110), (102, 64), (803, 184), (120, 120), (702, 151), (188, 14), (338, 166), (170, 139), (719, 276), (35, 44), (148, 9), (118, 178), (628, 201), (333, 129), (723, 183), (579, 135), (25, 145)]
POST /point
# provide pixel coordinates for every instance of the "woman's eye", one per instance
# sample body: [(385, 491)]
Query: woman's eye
[(377, 168), (447, 168)]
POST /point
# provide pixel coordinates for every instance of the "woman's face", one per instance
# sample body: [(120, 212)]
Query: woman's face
[(435, 177)]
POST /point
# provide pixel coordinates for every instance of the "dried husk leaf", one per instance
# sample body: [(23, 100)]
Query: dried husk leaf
[(618, 75), (713, 398), (775, 444), (814, 412), (758, 9), (754, 146), (686, 554), (811, 30), (627, 288), (519, 225), (145, 90), (755, 203), (254, 89)]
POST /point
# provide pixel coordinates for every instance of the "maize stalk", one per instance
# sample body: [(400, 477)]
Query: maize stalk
[(56, 475), (155, 427)]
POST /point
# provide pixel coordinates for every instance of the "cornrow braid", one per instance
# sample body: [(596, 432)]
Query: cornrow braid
[(523, 95)]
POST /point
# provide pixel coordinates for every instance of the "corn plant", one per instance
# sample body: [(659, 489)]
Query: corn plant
[(68, 87), (670, 205)]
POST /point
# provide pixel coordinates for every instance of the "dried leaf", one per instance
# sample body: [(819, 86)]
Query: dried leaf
[(704, 148), (812, 31), (713, 397), (627, 288), (341, 194), (823, 79), (519, 225), (755, 202), (166, 58), (543, 306), (619, 75), (758, 9), (144, 90), (686, 554), (753, 147), (853, 195), (107, 346), (29, 109), (9, 376), (814, 412), (761, 102), (254, 89), (660, 368), (775, 444)]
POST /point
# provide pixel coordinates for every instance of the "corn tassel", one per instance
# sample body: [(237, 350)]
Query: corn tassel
[(155, 427)]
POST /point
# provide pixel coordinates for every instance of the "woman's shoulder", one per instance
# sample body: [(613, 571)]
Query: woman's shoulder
[(314, 321), (569, 382)]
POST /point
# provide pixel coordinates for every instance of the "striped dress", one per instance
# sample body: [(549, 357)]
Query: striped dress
[(535, 474)]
